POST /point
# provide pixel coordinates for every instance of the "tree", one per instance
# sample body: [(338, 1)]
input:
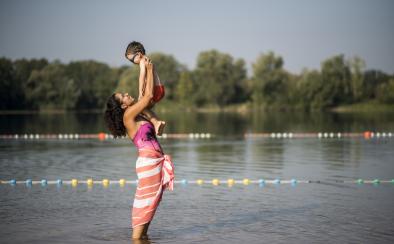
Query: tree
[(269, 80), (11, 95), (385, 92), (219, 79), (184, 91), (309, 86), (50, 88), (128, 81), (357, 66), (336, 80), (94, 80)]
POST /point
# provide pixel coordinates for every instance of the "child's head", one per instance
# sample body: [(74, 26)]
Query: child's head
[(134, 52)]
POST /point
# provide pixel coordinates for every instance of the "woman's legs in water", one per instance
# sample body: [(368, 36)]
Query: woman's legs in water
[(140, 232), (145, 232)]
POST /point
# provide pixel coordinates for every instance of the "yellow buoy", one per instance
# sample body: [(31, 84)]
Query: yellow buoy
[(246, 181), (105, 182), (89, 182), (122, 182), (230, 182), (215, 182), (74, 182), (200, 181)]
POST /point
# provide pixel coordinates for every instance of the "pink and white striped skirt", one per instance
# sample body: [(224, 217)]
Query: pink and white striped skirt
[(155, 173)]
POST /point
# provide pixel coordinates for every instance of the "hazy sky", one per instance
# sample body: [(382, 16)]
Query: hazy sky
[(303, 32)]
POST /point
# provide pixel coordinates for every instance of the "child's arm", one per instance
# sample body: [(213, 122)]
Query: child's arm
[(141, 80)]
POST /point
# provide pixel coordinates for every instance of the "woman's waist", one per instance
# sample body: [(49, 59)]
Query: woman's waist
[(149, 153)]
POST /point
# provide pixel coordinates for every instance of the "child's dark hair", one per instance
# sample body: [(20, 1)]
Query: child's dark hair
[(114, 117), (134, 47)]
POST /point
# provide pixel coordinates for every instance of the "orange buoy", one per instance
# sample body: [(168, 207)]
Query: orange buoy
[(101, 136), (367, 134)]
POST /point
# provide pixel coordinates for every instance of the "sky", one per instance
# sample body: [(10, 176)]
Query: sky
[(303, 32)]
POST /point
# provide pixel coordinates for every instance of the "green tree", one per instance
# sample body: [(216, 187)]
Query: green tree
[(50, 88), (308, 87), (128, 81), (385, 92), (336, 80), (269, 80), (94, 80), (372, 81), (219, 79), (11, 94), (184, 91), (357, 66)]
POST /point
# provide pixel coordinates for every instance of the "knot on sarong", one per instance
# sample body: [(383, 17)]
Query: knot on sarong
[(168, 173)]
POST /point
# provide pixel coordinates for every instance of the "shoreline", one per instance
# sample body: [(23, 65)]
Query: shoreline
[(365, 107)]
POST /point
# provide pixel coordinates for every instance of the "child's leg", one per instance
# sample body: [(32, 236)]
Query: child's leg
[(152, 117)]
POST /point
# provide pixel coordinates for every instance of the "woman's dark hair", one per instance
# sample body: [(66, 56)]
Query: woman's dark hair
[(114, 117), (134, 47)]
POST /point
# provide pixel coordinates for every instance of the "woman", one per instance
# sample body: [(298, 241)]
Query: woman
[(155, 170)]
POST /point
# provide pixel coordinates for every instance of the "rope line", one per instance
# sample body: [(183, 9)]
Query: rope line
[(215, 182), (273, 135)]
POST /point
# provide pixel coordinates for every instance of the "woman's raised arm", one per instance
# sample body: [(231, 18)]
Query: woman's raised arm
[(132, 111)]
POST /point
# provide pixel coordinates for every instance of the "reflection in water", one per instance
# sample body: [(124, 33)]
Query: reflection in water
[(217, 123)]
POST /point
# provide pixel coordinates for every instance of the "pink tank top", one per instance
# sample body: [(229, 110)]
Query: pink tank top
[(145, 138)]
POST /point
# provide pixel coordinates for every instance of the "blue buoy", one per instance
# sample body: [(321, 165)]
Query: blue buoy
[(184, 182), (28, 182), (44, 182), (293, 182), (277, 181), (12, 182), (59, 182), (261, 182)]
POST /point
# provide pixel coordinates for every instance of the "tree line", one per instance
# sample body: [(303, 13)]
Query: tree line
[(218, 79)]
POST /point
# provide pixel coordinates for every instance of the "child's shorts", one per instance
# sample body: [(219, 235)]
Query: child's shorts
[(158, 93)]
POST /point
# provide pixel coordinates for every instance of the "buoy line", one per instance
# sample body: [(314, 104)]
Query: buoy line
[(215, 182)]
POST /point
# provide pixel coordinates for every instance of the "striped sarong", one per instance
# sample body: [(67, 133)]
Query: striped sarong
[(155, 173)]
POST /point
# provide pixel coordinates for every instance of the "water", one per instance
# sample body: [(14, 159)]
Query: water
[(328, 212)]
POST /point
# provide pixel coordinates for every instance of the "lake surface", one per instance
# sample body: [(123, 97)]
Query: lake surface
[(327, 212)]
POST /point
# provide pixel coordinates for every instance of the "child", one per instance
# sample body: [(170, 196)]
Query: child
[(135, 53)]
